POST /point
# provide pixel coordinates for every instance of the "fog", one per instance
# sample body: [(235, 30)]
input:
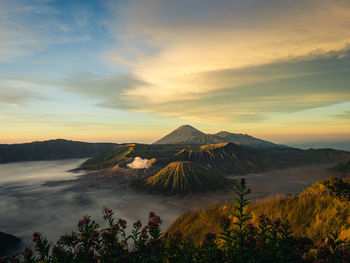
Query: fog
[(46, 197)]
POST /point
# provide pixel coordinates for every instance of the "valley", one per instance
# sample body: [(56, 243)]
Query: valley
[(52, 206)]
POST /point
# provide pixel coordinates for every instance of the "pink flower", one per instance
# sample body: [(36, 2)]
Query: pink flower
[(277, 222), (81, 222), (138, 224), (250, 227), (225, 221), (36, 236)]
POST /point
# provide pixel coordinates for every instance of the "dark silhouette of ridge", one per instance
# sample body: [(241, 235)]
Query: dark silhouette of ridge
[(50, 150)]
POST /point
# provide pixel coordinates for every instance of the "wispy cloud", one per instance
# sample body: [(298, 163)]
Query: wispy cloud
[(189, 51)]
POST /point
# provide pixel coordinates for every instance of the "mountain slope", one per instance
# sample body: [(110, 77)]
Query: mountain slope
[(231, 158), (245, 139), (122, 154), (9, 244), (50, 150), (223, 158), (188, 135), (181, 135), (181, 178), (312, 214)]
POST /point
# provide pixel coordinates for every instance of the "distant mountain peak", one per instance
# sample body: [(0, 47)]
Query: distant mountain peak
[(187, 134), (184, 133), (186, 127)]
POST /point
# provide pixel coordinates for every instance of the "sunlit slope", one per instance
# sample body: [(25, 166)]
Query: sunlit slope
[(122, 154), (223, 158), (116, 155), (183, 177), (317, 211)]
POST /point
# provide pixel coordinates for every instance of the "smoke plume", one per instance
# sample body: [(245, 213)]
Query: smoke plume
[(139, 163)]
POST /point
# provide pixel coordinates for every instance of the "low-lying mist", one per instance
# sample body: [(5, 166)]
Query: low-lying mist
[(45, 197)]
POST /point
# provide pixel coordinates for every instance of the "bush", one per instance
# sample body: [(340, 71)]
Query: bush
[(239, 241)]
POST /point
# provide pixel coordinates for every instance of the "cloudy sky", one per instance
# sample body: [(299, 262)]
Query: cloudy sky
[(129, 70)]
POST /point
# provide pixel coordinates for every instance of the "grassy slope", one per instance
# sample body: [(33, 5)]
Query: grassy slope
[(312, 214), (123, 153), (183, 177), (110, 158)]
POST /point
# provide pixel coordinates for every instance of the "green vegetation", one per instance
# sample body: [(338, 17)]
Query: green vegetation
[(121, 154), (315, 213), (223, 158), (108, 159), (182, 178), (213, 146), (238, 241)]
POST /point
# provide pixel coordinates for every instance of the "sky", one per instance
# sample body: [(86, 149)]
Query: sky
[(132, 71)]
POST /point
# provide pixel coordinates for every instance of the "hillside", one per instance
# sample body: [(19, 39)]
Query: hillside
[(314, 213), (186, 134), (182, 178), (223, 158), (231, 158), (50, 150), (342, 168), (122, 154), (9, 244)]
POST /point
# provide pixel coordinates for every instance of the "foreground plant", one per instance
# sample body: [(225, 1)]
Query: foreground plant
[(239, 241)]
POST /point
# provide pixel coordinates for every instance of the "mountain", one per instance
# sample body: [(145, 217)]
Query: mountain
[(183, 135), (182, 178), (50, 150), (186, 134), (223, 158), (9, 244), (123, 154), (230, 158), (245, 139)]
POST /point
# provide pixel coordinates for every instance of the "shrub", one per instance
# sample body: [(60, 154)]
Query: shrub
[(239, 241)]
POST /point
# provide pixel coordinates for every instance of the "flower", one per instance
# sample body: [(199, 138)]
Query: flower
[(138, 224), (276, 222), (152, 214), (81, 222), (225, 221), (250, 227), (263, 219), (122, 223), (36, 236)]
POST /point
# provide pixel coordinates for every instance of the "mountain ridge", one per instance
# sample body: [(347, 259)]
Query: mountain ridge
[(50, 150), (187, 134)]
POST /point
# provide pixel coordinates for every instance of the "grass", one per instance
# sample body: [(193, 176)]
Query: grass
[(314, 213)]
